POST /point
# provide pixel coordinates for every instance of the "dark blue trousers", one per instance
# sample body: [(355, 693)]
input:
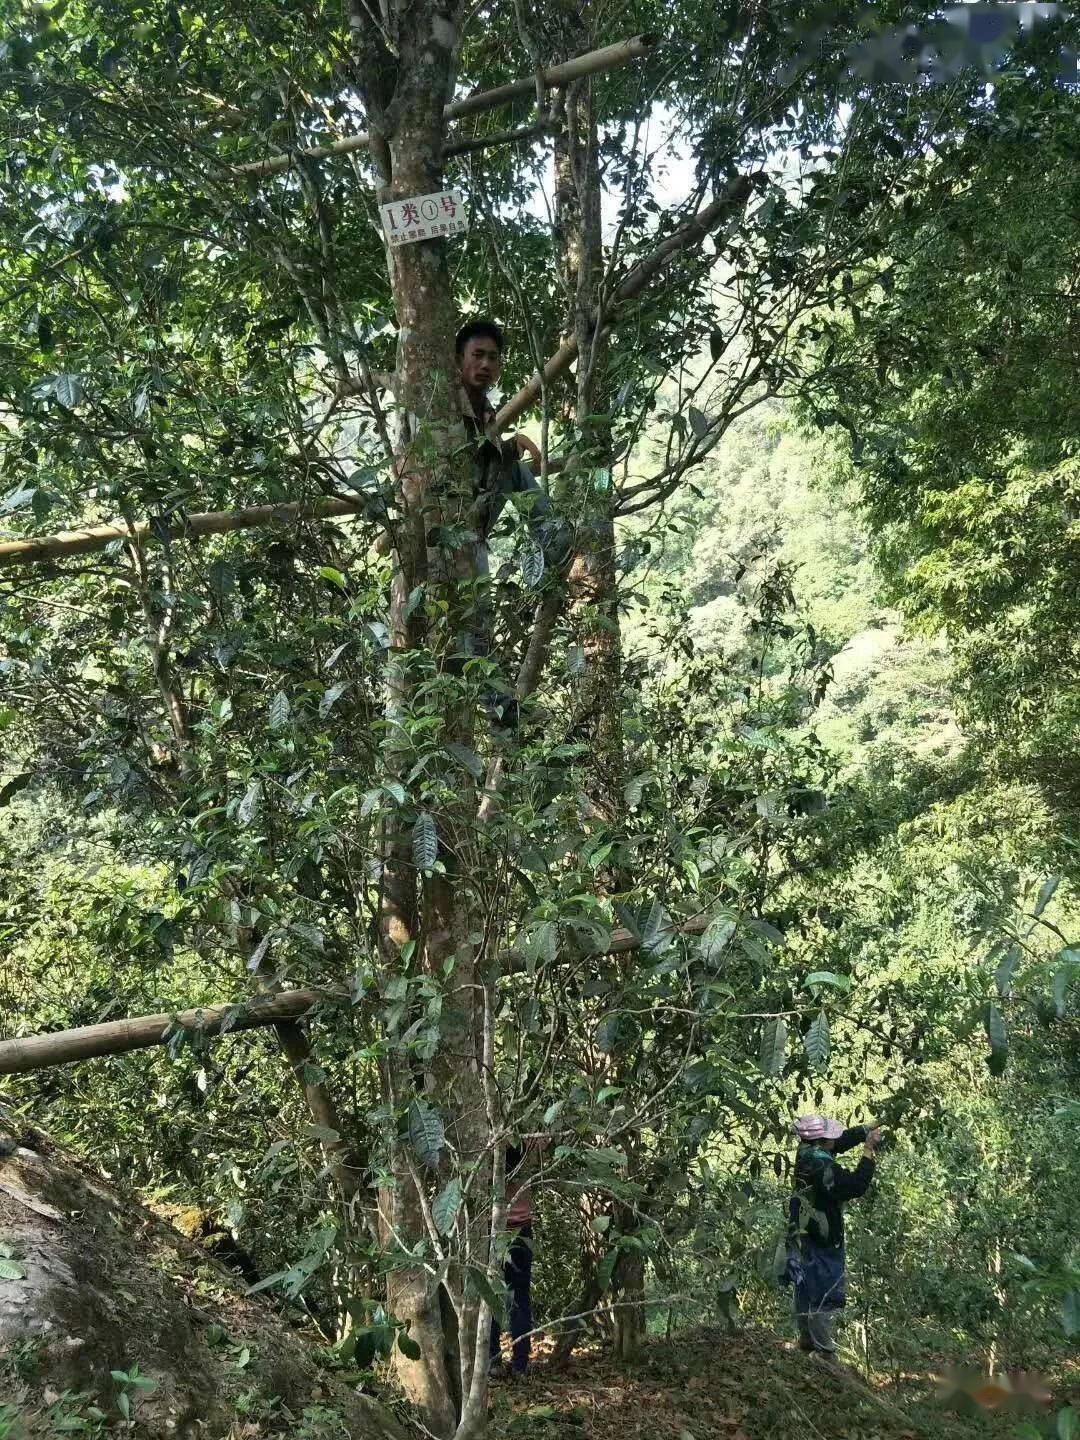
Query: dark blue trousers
[(518, 1274)]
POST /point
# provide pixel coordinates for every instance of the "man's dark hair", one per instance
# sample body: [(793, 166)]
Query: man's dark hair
[(476, 330)]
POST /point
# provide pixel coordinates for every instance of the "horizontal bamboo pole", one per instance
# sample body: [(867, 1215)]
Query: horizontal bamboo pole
[(115, 1037), (143, 1032), (216, 522), (212, 522), (611, 57)]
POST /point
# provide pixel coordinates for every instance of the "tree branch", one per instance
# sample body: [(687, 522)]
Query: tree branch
[(609, 58)]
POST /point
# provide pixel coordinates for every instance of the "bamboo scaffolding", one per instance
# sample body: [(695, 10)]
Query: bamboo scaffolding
[(557, 77), (143, 1032)]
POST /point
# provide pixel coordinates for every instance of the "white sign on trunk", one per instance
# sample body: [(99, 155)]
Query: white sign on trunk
[(424, 217)]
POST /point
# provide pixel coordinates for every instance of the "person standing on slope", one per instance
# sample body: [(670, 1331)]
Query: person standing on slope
[(815, 1250)]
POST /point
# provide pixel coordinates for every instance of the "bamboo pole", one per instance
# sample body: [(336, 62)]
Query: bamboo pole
[(143, 1032), (212, 522), (216, 522), (611, 57), (115, 1037)]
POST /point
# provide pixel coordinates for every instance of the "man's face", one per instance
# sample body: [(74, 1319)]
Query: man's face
[(479, 364)]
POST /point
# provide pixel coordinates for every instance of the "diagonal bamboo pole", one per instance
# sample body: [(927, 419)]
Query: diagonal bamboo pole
[(611, 57), (216, 522)]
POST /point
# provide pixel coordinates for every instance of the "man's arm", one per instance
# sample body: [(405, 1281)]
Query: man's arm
[(850, 1138), (527, 448), (850, 1184)]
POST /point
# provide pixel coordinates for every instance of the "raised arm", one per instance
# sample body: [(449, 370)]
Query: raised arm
[(850, 1138)]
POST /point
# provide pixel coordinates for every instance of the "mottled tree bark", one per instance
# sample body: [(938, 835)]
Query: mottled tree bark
[(406, 77)]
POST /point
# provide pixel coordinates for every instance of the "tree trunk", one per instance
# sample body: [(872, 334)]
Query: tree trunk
[(628, 1286), (427, 923)]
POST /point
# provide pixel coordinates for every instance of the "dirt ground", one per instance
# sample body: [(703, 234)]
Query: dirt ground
[(749, 1386)]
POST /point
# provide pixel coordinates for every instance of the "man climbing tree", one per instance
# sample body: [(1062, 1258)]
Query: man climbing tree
[(500, 474)]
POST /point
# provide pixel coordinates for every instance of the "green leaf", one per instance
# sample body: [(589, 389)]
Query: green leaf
[(327, 572), (408, 1346), (446, 1206), (998, 1036), (13, 787), (657, 935), (268, 1280), (635, 788), (467, 759), (330, 698), (1068, 1424), (478, 1282), (16, 499), (1007, 968), (829, 977), (68, 389), (768, 932), (416, 595), (700, 423), (279, 710), (606, 1268), (11, 1269), (532, 564), (249, 805), (425, 841), (1070, 1313), (996, 1032), (427, 1134), (816, 1041), (717, 344), (715, 940), (539, 945), (608, 1033), (123, 1404), (322, 1133), (1062, 980), (1046, 894), (774, 1038)]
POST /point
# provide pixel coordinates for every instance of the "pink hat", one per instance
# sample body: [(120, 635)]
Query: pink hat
[(818, 1127)]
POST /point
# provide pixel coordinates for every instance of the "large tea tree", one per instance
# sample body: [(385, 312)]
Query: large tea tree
[(200, 315)]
